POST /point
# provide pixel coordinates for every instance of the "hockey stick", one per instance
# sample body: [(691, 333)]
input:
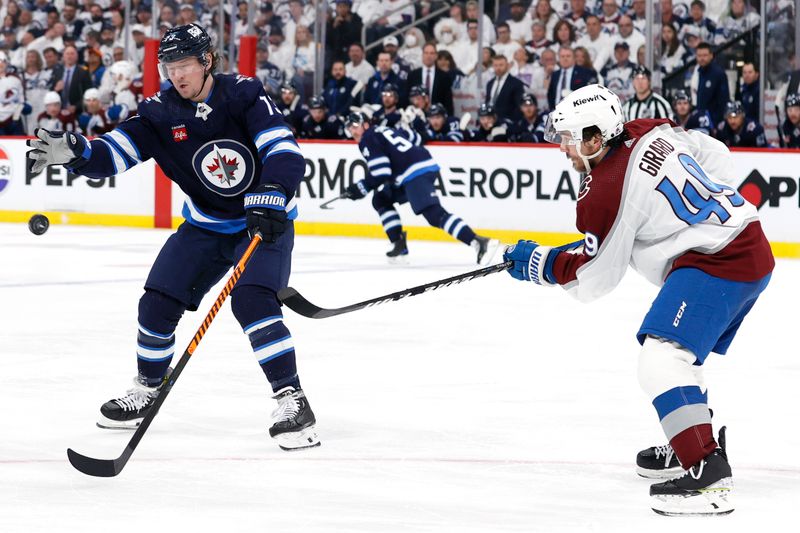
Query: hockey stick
[(329, 202), (297, 302), (780, 127), (112, 467)]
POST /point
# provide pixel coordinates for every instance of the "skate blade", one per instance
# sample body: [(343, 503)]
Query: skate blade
[(667, 473), (713, 501), (107, 423), (398, 260), (298, 440), (491, 249)]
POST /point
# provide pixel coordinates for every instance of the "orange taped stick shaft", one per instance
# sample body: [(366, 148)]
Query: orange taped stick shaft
[(226, 290)]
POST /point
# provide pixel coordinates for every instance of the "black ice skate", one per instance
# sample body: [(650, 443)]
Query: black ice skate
[(398, 251), (658, 462), (294, 421), (128, 411), (704, 489), (485, 248)]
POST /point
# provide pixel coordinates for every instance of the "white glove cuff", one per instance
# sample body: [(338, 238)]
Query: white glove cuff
[(536, 266)]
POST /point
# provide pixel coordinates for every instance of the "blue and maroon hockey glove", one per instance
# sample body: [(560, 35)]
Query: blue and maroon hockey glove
[(266, 212)]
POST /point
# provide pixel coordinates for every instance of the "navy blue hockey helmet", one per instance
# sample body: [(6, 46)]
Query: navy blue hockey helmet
[(793, 100), (356, 118), (486, 110), (641, 70), (417, 90), (189, 40), (680, 96), (529, 99), (316, 102), (437, 110), (288, 86), (390, 88), (733, 108)]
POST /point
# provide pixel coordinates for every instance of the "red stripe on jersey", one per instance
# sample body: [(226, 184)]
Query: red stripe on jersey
[(746, 258)]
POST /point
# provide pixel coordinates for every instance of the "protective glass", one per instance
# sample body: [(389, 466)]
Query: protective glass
[(184, 67)]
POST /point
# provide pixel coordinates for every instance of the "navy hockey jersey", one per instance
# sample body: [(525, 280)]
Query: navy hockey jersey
[(450, 132), (699, 120), (751, 135), (394, 154), (330, 128), (791, 134), (215, 151)]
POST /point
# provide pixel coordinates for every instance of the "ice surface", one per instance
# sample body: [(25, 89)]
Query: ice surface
[(488, 406)]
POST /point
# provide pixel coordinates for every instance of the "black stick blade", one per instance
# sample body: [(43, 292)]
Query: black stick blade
[(297, 303), (94, 467)]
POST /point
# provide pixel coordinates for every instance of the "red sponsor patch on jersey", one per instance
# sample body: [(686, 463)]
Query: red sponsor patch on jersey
[(179, 133)]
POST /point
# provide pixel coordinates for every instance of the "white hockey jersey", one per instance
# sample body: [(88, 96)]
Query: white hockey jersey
[(665, 199), (12, 98)]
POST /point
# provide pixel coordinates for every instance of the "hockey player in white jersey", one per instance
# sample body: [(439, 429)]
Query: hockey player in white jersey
[(12, 100), (662, 200)]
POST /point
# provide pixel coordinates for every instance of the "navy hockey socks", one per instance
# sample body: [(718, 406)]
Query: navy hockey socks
[(438, 217), (155, 343), (257, 310), (391, 223)]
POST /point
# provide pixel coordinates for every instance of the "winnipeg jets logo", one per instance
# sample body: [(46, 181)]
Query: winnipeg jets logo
[(203, 110), (224, 166)]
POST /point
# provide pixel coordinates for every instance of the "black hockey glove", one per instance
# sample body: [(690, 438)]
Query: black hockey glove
[(266, 212), (356, 191), (57, 148)]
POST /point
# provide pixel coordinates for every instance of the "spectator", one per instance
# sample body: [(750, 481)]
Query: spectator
[(598, 43), (452, 42), (490, 128), (382, 76), (296, 17), (740, 131), (609, 18), (577, 17), (358, 68), (270, 75), (318, 125), (441, 127), (166, 14), (303, 62), (563, 35), (628, 35), (539, 43), (15, 52), (567, 78), (469, 60), (487, 55), (437, 83), (53, 66), (93, 120), (541, 81), (672, 51), (73, 26), (691, 119), (504, 92), (697, 19), (520, 22), (529, 128), (36, 84), (139, 34), (637, 13), (339, 91), (583, 59), (545, 14), (280, 52), (26, 24), (618, 76), (504, 45), (524, 69), (399, 66), (791, 126), (458, 14), (691, 40), (709, 84), (52, 117), (749, 91), (411, 51), (740, 18), (489, 35), (446, 63), (52, 37), (74, 83), (293, 109), (645, 103), (94, 64)]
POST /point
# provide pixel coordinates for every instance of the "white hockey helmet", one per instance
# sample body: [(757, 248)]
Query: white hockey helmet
[(592, 105), (122, 73), (91, 94), (52, 97)]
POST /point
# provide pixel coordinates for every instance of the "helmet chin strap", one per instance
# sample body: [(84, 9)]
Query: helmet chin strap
[(585, 158), (203, 85)]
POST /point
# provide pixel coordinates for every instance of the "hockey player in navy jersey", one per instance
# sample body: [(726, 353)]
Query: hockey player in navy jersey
[(223, 141), (739, 131), (691, 119), (791, 126), (318, 124), (401, 170), (663, 201)]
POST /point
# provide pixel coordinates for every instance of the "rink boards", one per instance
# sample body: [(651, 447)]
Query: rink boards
[(507, 191)]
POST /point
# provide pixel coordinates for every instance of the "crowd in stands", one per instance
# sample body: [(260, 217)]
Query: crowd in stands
[(64, 65)]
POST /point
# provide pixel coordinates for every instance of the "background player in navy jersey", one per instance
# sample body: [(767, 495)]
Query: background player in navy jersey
[(400, 170), (691, 119), (791, 126), (228, 147), (661, 200)]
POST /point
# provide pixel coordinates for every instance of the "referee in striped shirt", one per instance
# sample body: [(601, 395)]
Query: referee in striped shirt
[(645, 103)]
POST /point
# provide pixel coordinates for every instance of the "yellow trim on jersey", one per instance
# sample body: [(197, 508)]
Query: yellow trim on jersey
[(425, 233)]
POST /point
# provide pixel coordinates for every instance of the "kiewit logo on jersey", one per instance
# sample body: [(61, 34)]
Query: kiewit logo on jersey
[(5, 170), (225, 166)]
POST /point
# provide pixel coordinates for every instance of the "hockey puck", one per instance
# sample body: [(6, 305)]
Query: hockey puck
[(38, 224)]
